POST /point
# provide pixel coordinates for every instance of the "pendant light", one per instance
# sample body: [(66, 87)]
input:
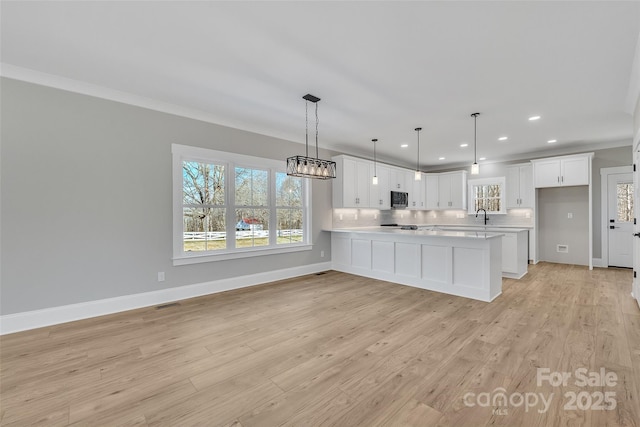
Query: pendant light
[(310, 167), (418, 175), (374, 180), (475, 168)]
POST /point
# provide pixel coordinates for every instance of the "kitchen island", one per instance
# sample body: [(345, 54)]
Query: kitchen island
[(463, 263)]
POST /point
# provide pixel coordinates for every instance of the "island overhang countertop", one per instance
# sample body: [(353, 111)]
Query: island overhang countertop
[(419, 232)]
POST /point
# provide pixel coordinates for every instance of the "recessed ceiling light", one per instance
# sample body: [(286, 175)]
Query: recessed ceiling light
[(482, 158), (404, 145), (532, 118), (440, 158), (551, 141), (464, 145), (503, 138)]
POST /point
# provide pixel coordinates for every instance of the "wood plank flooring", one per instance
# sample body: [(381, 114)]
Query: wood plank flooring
[(335, 350)]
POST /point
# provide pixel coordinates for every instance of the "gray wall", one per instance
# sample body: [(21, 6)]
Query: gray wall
[(555, 228), (86, 198)]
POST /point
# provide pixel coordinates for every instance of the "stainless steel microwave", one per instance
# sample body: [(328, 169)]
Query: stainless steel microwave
[(399, 200)]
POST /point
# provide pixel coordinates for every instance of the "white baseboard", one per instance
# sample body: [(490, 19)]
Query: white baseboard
[(17, 322), (597, 262)]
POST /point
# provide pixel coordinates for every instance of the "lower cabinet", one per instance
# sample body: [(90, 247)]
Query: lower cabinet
[(515, 254)]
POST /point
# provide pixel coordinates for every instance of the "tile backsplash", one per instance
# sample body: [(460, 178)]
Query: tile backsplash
[(349, 218)]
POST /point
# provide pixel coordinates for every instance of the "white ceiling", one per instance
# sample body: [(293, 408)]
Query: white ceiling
[(381, 68)]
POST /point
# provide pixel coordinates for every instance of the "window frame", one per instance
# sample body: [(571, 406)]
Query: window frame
[(230, 161), (499, 180)]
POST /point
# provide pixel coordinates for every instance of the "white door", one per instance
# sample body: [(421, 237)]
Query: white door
[(620, 220)]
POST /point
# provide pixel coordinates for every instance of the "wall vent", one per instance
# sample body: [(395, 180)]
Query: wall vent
[(562, 249)]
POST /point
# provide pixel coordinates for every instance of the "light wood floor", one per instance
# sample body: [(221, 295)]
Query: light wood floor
[(333, 349)]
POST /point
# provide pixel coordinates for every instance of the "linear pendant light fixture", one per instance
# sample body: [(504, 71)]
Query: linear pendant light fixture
[(310, 167), (475, 168), (418, 175), (374, 180)]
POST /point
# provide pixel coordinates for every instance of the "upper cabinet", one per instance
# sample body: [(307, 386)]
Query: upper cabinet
[(452, 190), (399, 180), (351, 186), (431, 197), (417, 192), (519, 186), (380, 196), (562, 171)]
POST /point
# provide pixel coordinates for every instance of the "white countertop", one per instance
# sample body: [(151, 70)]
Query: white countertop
[(419, 233)]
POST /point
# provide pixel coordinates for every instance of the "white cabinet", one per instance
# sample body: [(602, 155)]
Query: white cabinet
[(380, 195), (431, 197), (519, 186), (515, 247), (416, 193), (562, 171), (452, 190), (351, 186), (398, 179)]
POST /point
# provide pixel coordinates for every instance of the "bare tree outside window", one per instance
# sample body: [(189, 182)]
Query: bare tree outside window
[(487, 197), (289, 211), (203, 206), (251, 207)]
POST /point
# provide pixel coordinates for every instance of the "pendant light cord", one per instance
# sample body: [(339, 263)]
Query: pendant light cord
[(317, 121), (306, 128), (475, 137)]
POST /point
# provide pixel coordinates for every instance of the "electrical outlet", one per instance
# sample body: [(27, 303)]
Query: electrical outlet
[(570, 215), (340, 217), (460, 215), (355, 216), (527, 214), (375, 216), (321, 254), (160, 276), (415, 215)]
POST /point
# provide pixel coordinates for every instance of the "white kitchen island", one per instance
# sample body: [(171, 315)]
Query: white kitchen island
[(463, 263)]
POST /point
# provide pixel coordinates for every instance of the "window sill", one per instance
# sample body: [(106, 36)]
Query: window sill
[(212, 257)]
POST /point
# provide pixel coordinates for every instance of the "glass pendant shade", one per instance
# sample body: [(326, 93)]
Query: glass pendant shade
[(418, 176), (374, 180), (475, 169)]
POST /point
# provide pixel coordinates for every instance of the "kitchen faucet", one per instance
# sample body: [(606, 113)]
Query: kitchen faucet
[(486, 218)]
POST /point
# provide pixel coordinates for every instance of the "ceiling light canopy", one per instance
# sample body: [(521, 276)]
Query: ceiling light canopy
[(310, 167)]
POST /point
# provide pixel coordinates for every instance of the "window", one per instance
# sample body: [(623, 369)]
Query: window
[(488, 194), (227, 207), (624, 195)]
